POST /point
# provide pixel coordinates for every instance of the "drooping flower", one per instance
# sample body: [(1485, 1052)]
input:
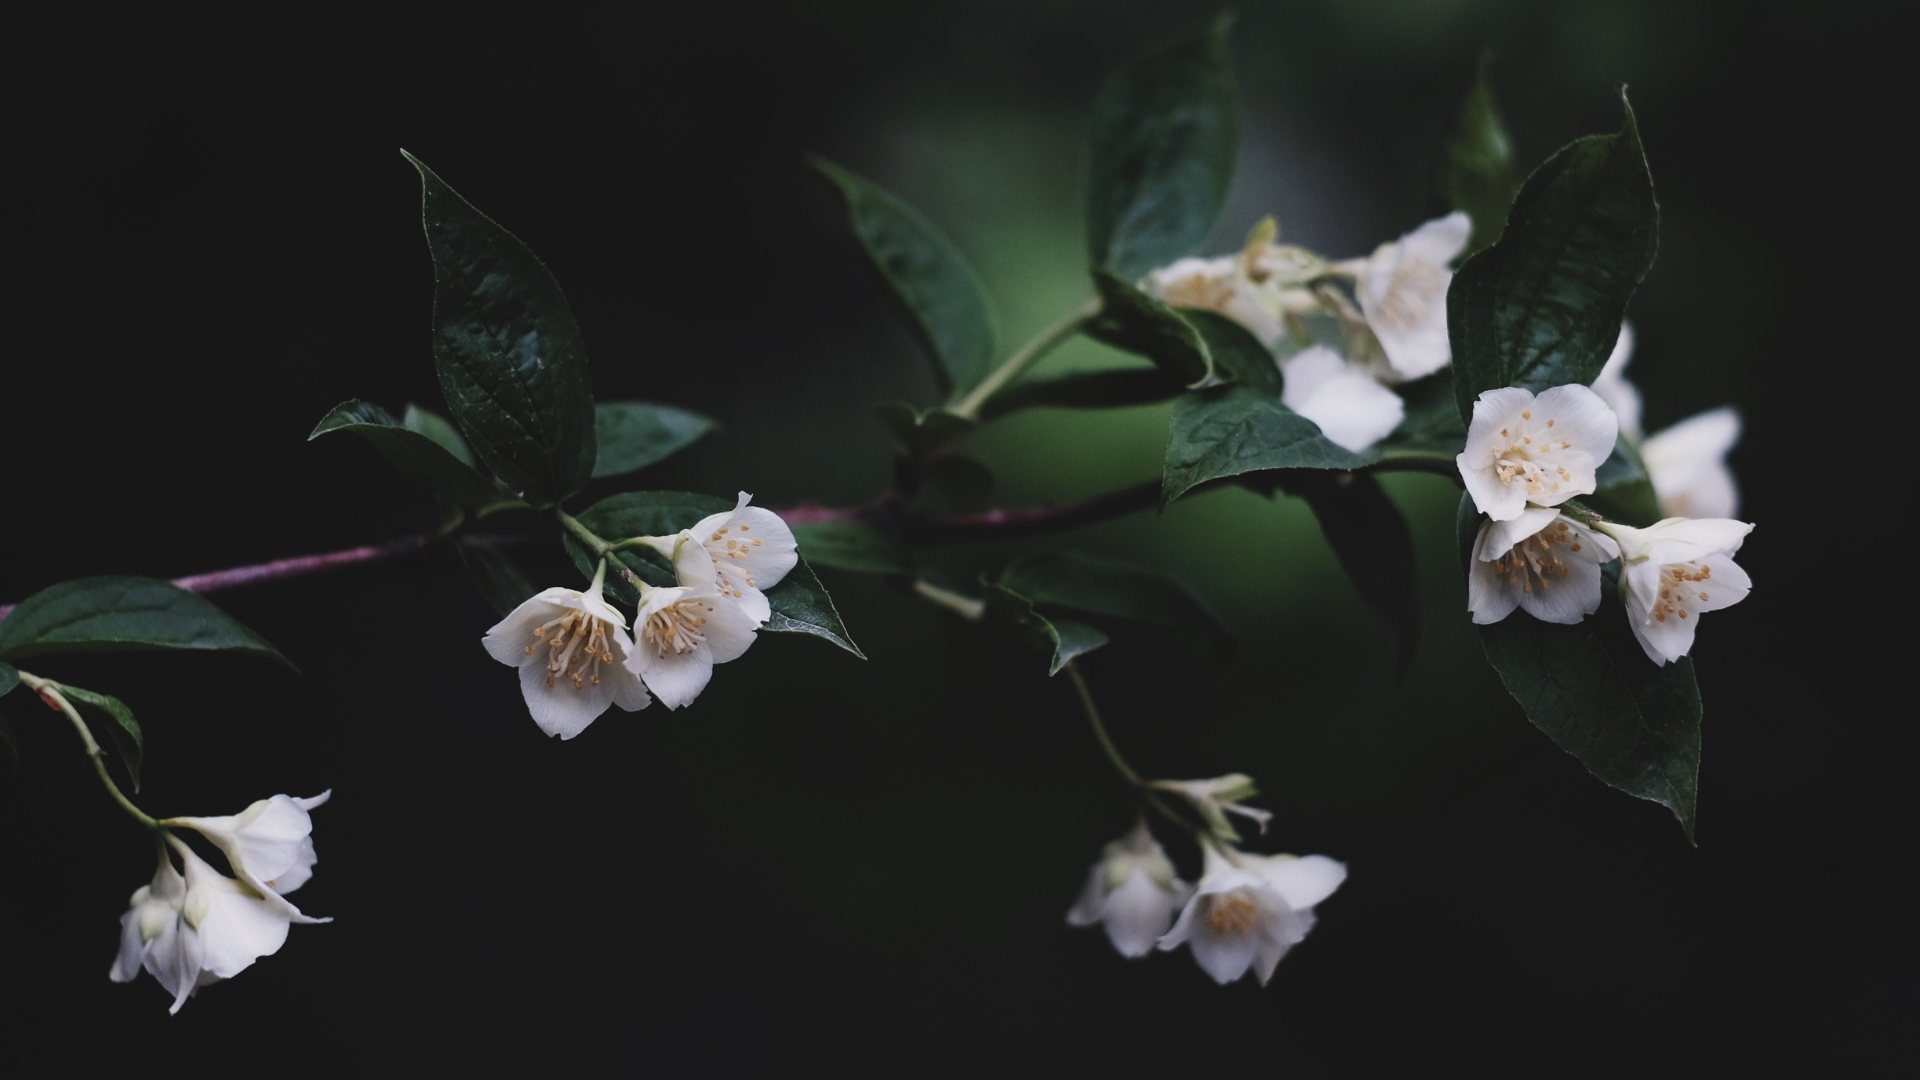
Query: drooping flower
[(1611, 384), (684, 631), (1543, 450), (1688, 465), (269, 845), (1351, 407), (1133, 890), (1672, 572), (153, 936), (1214, 798), (1402, 288), (1250, 909), (572, 651), (1542, 561), (743, 552)]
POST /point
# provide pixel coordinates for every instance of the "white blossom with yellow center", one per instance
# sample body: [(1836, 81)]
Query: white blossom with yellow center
[(681, 633), (1257, 287), (1132, 890), (1541, 450), (1402, 289), (742, 552), (1249, 910), (1542, 561), (572, 650), (1674, 571), (269, 845)]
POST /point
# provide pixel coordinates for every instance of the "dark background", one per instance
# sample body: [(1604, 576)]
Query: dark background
[(866, 865)]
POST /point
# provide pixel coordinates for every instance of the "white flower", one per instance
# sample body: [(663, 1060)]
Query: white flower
[(1674, 570), (1250, 909), (269, 845), (1216, 285), (1543, 450), (683, 632), (195, 931), (1217, 797), (1133, 890), (1611, 384), (572, 650), (1541, 561), (1352, 409), (1402, 288), (744, 552), (1688, 465)]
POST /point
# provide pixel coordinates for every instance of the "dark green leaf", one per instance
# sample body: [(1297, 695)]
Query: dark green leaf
[(1236, 353), (1109, 587), (928, 281), (1233, 430), (1432, 421), (1089, 390), (635, 434), (510, 358), (9, 678), (500, 583), (846, 545), (1623, 491), (125, 730), (1161, 154), (440, 430), (424, 459), (1591, 688), (801, 606), (1131, 320), (122, 614), (645, 565), (1372, 541), (1542, 307), (1474, 168), (1058, 640), (962, 481), (922, 431), (650, 513)]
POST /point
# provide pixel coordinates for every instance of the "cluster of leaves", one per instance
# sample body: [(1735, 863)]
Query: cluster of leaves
[(116, 614), (1538, 302), (525, 432)]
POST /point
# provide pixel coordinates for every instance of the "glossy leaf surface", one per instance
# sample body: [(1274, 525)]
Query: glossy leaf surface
[(1542, 307), (423, 459), (856, 548), (1161, 154), (1234, 430), (509, 355), (1474, 169), (1060, 640), (124, 731), (632, 435), (928, 281), (1137, 323), (122, 614), (440, 429)]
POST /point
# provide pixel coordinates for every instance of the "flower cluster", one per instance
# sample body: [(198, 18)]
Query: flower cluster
[(1246, 912), (193, 930), (1527, 455), (1393, 326), (576, 656)]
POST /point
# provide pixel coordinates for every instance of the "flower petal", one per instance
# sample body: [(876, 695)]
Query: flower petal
[(676, 678), (730, 630), (508, 639), (1087, 909), (1226, 956), (1137, 914), (560, 709), (1352, 410), (237, 930), (1302, 882), (1575, 414)]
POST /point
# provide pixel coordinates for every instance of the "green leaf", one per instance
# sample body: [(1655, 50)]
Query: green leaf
[(635, 434), (1590, 687), (1109, 587), (1161, 154), (125, 730), (1542, 307), (928, 281), (1236, 352), (9, 678), (922, 431), (424, 459), (800, 603), (1474, 169), (500, 583), (846, 545), (509, 355), (1137, 323), (122, 614), (1234, 430), (1432, 422), (1060, 640), (1373, 543), (1622, 489), (801, 606), (1089, 390), (440, 430), (962, 481)]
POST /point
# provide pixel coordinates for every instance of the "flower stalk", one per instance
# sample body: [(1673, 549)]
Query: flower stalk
[(49, 692), (1025, 357)]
